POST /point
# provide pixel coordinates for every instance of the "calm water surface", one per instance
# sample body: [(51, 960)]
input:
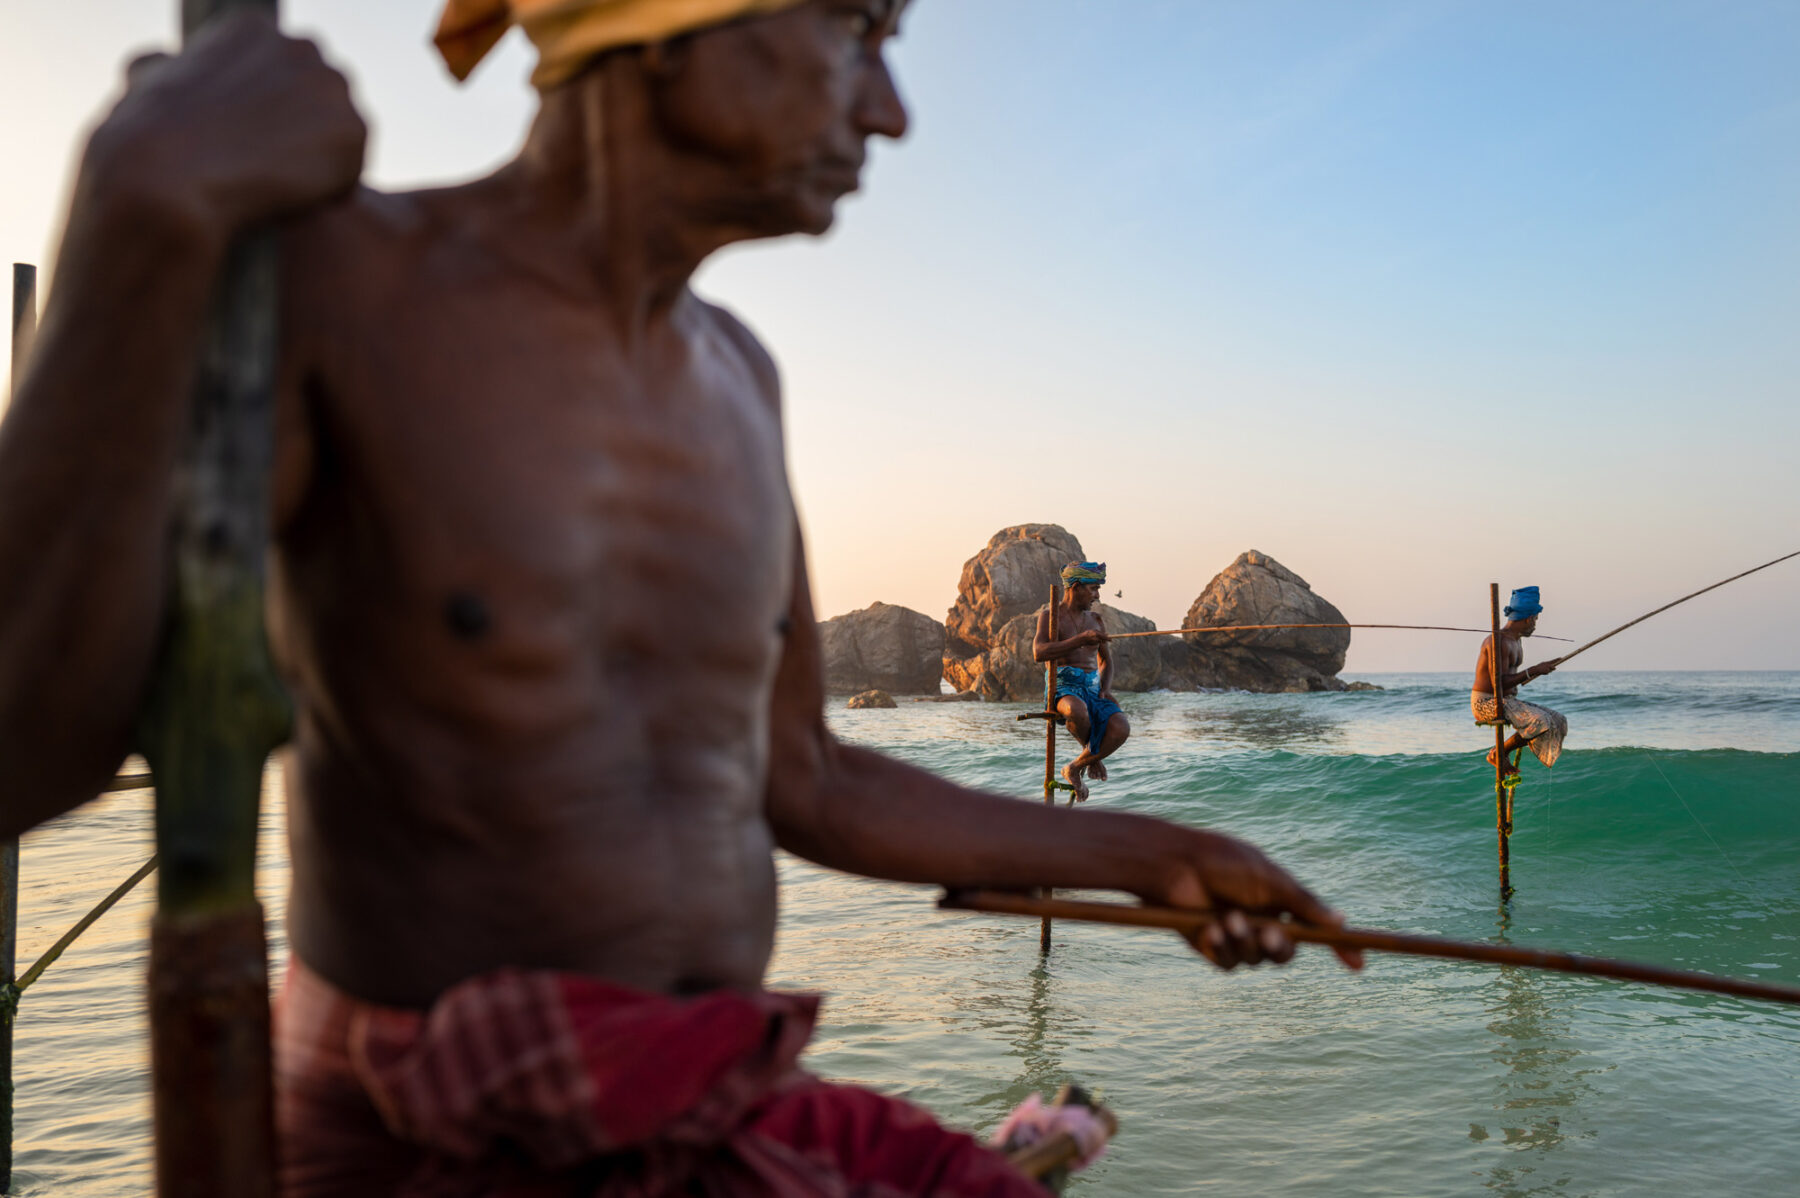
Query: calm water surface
[(1669, 832)]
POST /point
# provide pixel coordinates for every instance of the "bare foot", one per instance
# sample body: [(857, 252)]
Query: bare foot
[(1493, 757), (1072, 776), (1096, 771)]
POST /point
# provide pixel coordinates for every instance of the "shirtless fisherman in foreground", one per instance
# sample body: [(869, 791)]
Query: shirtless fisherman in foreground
[(1084, 695), (540, 597)]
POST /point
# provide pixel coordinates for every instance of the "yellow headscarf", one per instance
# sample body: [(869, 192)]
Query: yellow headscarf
[(569, 32)]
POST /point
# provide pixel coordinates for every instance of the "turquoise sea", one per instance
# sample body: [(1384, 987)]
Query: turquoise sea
[(1669, 833)]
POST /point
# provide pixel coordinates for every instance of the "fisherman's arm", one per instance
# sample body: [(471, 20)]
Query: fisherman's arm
[(855, 810), (1531, 673), (244, 127)]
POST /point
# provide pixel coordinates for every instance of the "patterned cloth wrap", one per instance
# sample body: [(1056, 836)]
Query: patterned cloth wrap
[(569, 33), (1076, 573), (1085, 685), (1542, 728), (532, 1084)]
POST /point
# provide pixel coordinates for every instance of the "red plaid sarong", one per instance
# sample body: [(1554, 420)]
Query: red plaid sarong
[(522, 1083)]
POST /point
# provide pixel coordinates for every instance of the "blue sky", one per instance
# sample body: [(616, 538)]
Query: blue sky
[(1411, 296)]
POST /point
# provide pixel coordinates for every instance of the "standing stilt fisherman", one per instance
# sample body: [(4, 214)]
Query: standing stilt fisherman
[(1084, 695), (1534, 725)]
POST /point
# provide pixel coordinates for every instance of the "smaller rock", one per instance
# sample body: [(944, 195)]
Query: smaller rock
[(952, 697), (1363, 686), (871, 699)]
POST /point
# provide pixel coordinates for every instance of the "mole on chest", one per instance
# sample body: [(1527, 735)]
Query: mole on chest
[(467, 615)]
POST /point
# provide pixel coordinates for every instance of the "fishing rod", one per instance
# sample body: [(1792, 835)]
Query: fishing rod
[(1665, 607), (1125, 636), (998, 902)]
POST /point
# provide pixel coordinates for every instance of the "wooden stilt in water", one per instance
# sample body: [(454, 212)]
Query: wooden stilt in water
[(9, 1000), (24, 326), (1049, 746), (213, 713), (1502, 792)]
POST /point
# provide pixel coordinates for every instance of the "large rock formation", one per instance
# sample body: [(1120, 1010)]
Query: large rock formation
[(882, 647), (1257, 589), (988, 634), (1010, 578)]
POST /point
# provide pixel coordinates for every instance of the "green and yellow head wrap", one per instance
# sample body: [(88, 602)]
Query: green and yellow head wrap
[(1076, 573)]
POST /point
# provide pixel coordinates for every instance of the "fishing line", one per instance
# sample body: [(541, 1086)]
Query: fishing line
[(1684, 806)]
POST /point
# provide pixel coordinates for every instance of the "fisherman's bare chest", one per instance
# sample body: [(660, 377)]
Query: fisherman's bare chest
[(522, 483), (1070, 623)]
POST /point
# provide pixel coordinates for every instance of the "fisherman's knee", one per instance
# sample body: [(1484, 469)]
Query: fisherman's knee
[(1075, 716), (1119, 727)]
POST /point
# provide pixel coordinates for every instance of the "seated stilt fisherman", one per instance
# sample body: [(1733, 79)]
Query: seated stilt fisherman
[(520, 470), (1084, 669), (1534, 726)]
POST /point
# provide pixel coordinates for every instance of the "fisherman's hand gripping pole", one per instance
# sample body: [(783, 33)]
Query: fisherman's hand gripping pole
[(215, 710)]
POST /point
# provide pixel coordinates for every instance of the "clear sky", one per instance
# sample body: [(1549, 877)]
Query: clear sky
[(1412, 296)]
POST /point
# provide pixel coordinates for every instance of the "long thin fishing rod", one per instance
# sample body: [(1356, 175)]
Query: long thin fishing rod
[(1004, 903), (1665, 607), (87, 921), (1125, 636)]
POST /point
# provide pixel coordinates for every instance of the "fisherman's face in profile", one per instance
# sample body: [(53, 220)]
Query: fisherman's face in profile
[(1529, 626), (785, 105), (1084, 595)]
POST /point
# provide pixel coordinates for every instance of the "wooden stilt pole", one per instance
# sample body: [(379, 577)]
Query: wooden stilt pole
[(1049, 747), (24, 326), (213, 713), (9, 1000), (1502, 794)]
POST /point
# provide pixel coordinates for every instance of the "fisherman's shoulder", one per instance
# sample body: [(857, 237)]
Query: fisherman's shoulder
[(369, 234), (734, 332)]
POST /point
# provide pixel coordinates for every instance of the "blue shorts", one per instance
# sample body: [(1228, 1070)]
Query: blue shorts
[(1085, 685)]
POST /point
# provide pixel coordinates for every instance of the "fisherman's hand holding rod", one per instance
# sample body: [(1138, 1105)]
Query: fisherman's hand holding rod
[(1237, 897)]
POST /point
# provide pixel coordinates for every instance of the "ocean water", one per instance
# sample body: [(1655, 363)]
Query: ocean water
[(1668, 833)]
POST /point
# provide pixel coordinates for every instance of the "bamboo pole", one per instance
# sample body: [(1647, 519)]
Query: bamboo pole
[(1502, 798), (1049, 745), (1576, 652), (9, 1000), (998, 902), (24, 328), (55, 951), (24, 316), (213, 713), (1125, 636)]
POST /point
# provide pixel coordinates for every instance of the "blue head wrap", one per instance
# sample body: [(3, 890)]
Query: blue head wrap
[(1524, 604), (1076, 573)]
